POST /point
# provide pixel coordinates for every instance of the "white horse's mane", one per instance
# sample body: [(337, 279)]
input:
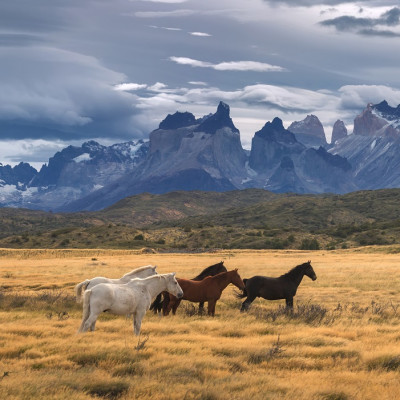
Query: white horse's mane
[(138, 270)]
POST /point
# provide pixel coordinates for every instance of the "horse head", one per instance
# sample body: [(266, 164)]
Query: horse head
[(236, 279), (173, 286), (309, 271)]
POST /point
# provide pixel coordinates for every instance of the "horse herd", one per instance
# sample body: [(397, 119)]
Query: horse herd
[(133, 292)]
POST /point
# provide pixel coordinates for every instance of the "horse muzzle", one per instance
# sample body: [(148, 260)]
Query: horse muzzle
[(314, 277), (179, 295)]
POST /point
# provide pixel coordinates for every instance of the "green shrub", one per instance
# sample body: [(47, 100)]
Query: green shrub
[(309, 244)]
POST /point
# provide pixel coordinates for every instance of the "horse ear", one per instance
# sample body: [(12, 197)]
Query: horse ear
[(309, 261), (173, 273), (236, 269)]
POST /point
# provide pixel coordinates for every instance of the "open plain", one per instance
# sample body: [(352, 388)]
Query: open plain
[(342, 340)]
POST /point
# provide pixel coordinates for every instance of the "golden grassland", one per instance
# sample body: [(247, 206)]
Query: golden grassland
[(341, 342)]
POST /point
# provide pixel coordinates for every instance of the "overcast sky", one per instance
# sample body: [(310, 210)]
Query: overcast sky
[(111, 70)]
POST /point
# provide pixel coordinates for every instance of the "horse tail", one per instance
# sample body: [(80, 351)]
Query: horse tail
[(243, 294), (79, 288), (86, 308), (156, 305)]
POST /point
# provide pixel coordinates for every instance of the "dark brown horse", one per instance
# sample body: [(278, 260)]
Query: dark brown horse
[(161, 301), (283, 287), (209, 289)]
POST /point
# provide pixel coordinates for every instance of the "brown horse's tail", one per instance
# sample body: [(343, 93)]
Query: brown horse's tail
[(243, 293)]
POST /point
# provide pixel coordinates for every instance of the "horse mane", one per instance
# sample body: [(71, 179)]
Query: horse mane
[(296, 271), (136, 270), (210, 271)]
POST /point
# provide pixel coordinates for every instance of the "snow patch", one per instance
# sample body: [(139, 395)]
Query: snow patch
[(97, 187), (373, 144), (250, 171), (82, 158)]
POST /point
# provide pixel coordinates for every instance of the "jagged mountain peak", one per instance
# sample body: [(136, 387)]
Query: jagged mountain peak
[(310, 126), (221, 119), (177, 120), (386, 111), (223, 108), (275, 131), (339, 131)]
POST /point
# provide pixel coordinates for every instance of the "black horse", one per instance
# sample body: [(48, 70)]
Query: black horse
[(161, 301), (284, 287)]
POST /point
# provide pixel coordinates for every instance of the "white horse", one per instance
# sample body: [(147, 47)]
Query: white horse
[(142, 272), (130, 298)]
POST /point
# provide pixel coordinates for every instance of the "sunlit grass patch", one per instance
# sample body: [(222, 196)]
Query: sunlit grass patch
[(352, 356)]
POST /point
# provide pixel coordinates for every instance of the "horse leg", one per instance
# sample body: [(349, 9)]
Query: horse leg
[(156, 305), (201, 307), (246, 304), (90, 323), (211, 307), (137, 321), (168, 305), (175, 306), (165, 303), (289, 303)]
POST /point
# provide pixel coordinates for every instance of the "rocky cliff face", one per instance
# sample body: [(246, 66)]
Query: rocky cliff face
[(374, 147), (270, 144), (285, 179), (339, 131), (377, 121), (310, 131)]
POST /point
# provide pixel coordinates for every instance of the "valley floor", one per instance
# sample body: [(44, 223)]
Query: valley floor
[(341, 342)]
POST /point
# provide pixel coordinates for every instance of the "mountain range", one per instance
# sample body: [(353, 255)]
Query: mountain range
[(206, 154)]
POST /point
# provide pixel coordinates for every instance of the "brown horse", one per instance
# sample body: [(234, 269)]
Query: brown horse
[(162, 300), (209, 289)]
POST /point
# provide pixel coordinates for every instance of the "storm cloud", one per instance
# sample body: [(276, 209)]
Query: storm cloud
[(110, 71)]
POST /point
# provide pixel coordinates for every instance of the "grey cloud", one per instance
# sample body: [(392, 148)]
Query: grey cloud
[(60, 94), (347, 23), (391, 17), (364, 26), (377, 32)]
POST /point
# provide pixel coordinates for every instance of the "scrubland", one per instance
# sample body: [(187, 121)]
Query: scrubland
[(342, 340)]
